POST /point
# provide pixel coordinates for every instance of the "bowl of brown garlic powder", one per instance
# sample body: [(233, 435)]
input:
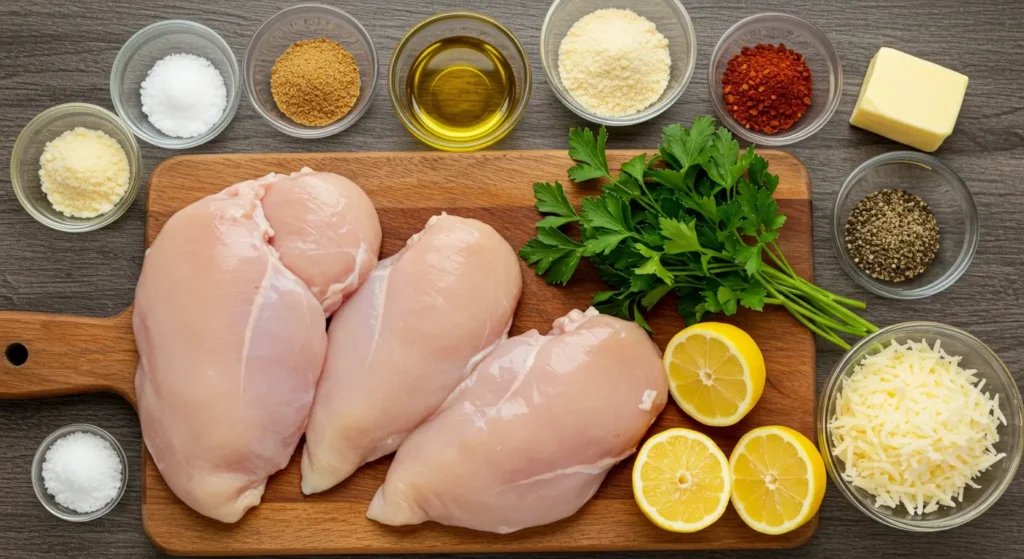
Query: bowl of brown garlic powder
[(310, 70), (905, 225)]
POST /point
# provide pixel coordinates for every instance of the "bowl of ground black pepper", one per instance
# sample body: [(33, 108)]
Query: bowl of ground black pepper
[(774, 79), (310, 70), (905, 225)]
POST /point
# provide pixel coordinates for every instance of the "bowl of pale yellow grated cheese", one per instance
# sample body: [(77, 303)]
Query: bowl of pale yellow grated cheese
[(920, 426), (76, 167), (618, 62)]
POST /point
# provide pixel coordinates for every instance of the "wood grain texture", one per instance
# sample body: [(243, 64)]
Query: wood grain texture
[(407, 189), (57, 51)]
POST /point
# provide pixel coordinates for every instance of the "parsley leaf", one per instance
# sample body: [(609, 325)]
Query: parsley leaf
[(753, 297), (653, 265), (749, 256), (728, 299), (588, 153), (607, 212), (683, 147), (654, 295), (758, 174), (604, 243), (555, 222), (680, 236), (551, 200), (636, 167), (554, 255)]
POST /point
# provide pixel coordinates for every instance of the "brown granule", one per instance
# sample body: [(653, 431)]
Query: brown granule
[(315, 82)]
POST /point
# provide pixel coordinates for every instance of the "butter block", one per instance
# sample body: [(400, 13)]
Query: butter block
[(909, 100)]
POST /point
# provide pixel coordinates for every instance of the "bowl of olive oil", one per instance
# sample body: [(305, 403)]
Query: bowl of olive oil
[(459, 81)]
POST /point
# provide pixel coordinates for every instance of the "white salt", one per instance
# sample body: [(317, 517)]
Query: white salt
[(82, 472), (183, 95)]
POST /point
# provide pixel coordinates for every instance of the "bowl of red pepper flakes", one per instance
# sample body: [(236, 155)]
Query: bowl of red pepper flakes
[(774, 79)]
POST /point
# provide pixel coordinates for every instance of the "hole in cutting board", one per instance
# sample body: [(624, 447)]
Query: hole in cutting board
[(16, 354)]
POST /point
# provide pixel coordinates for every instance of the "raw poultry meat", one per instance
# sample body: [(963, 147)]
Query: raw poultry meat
[(405, 340), (326, 231), (529, 437), (231, 341)]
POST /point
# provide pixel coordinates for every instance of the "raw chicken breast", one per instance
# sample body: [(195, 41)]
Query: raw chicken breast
[(326, 231), (529, 437), (231, 345), (405, 340)]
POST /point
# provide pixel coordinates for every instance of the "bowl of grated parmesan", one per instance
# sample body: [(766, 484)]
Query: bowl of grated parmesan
[(76, 167), (618, 62), (920, 426)]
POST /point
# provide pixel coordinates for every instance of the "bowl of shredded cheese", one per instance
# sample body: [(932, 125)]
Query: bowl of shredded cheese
[(76, 167), (920, 426)]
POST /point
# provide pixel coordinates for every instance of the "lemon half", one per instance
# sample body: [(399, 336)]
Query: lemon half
[(778, 479), (681, 480), (715, 372)]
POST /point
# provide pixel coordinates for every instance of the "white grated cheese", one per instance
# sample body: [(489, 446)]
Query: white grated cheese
[(913, 428), (614, 62)]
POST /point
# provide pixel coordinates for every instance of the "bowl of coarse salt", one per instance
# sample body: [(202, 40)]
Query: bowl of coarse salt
[(79, 472), (176, 84)]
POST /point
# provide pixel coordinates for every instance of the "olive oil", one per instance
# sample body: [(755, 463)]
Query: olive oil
[(461, 88)]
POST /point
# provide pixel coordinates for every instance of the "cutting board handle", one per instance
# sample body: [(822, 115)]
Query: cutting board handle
[(52, 355)]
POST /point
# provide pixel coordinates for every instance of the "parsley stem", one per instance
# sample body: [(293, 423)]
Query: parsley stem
[(779, 260), (809, 311), (823, 332), (829, 306), (804, 285)]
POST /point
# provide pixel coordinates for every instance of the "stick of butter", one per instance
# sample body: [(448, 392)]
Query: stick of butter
[(909, 100)]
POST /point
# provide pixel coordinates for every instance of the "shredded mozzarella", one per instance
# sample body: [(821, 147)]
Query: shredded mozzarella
[(913, 428)]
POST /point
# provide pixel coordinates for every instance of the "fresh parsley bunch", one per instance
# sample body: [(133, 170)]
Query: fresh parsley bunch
[(701, 224)]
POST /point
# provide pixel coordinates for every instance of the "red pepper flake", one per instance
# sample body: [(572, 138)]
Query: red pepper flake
[(767, 88)]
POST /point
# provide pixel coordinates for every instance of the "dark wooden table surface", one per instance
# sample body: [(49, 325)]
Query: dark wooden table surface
[(62, 50)]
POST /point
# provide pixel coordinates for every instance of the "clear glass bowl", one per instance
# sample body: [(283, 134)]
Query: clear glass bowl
[(456, 24), (45, 127), (37, 474), (950, 201), (998, 380), (299, 23), (798, 35), (672, 21), (146, 48)]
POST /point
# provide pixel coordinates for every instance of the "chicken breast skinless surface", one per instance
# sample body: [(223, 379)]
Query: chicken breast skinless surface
[(405, 340), (529, 437), (231, 341)]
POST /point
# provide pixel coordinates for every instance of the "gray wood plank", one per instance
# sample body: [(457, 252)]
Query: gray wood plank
[(62, 50)]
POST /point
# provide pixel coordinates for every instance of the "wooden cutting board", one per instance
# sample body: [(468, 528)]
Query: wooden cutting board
[(68, 355)]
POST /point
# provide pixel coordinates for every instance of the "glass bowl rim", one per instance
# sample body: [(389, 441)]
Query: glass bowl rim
[(834, 383), (972, 233), (133, 153), (643, 116), (133, 44), (357, 111), (832, 60), (40, 455), (518, 111)]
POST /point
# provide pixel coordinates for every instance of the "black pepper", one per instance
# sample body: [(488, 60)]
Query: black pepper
[(892, 235)]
